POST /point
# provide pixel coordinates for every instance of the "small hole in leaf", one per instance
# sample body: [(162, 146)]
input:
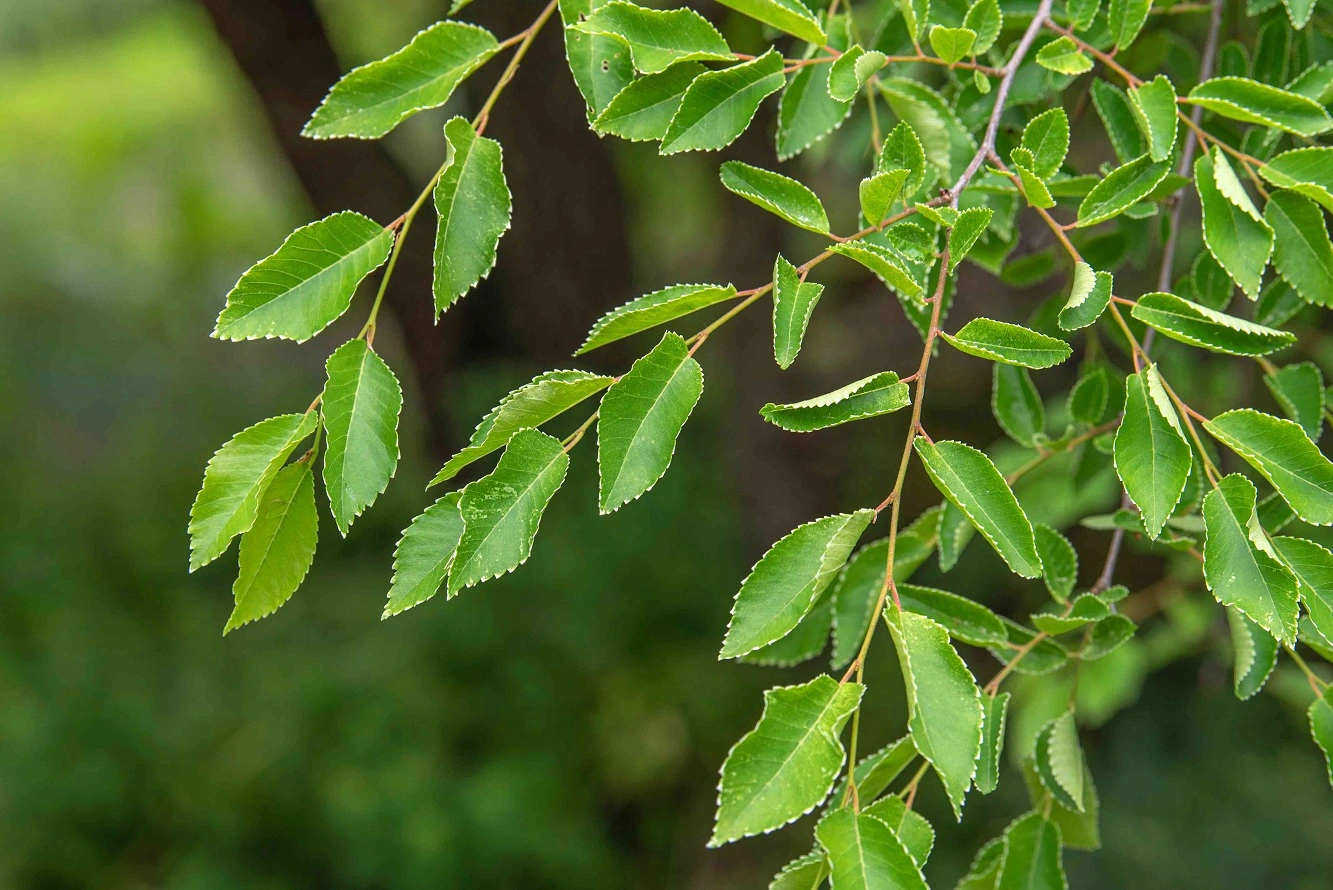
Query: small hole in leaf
[(606, 65)]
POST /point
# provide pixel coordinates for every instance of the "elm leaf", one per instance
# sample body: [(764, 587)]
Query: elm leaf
[(793, 303), (424, 553), (865, 854), (1200, 326), (791, 16), (1251, 102), (778, 194), (1237, 239), (651, 310), (277, 551), (474, 207), (1302, 253), (868, 397), (658, 38), (1282, 452), (1089, 295), (1122, 188), (1152, 457), (1154, 104), (642, 111), (1012, 344), (719, 105), (362, 401)]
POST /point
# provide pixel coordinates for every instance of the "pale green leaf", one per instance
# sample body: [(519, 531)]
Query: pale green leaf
[(1078, 831), (852, 69), (1012, 344), (1059, 562), (1200, 326), (916, 16), (985, 18), (308, 282), (1125, 19), (785, 766), (600, 65), (1046, 136), (424, 553), (1305, 170), (969, 479), (651, 310), (1299, 12), (804, 873), (658, 38), (1154, 105), (787, 581), (236, 476), (1302, 253), (778, 194), (869, 397), (1239, 243), (1255, 654), (1063, 56), (641, 416), (1059, 761), (791, 16), (1034, 190), (952, 44), (883, 262), (793, 303), (501, 512), (1032, 856), (278, 549), (879, 192), (371, 100), (902, 151), (1122, 188), (916, 834), (995, 711), (964, 619), (474, 207), (985, 868), (1152, 457), (641, 111), (1085, 609), (719, 105), (963, 234), (361, 404), (1252, 102), (1017, 405), (877, 771), (1089, 295), (1313, 567), (947, 141), (1284, 454), (808, 639), (865, 854)]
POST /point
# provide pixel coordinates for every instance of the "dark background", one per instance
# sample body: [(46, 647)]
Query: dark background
[(560, 727)]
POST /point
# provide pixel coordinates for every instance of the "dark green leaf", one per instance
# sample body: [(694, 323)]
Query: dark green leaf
[(869, 397)]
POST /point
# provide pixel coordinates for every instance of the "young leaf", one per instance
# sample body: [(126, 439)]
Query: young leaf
[(785, 766), (865, 854), (1152, 457), (236, 476), (785, 583), (1321, 727), (1238, 241), (278, 549), (1089, 295), (1313, 567), (1125, 19), (1034, 190), (849, 73), (1118, 118), (970, 481), (531, 405), (426, 549), (1017, 405), (791, 16), (641, 416), (995, 709), (1302, 253), (1032, 856), (878, 192), (1009, 343), (641, 111), (371, 100), (308, 282), (362, 400), (1308, 171), (600, 65), (1047, 137), (474, 207), (804, 873), (719, 105), (793, 302), (1043, 656), (985, 18), (658, 38), (1063, 56), (952, 44), (1255, 654), (964, 619), (963, 234), (1122, 188), (883, 262), (1239, 573), (1284, 455), (1200, 326), (916, 834), (651, 310), (1059, 761), (1059, 562), (916, 16), (501, 512), (902, 151), (943, 702), (1154, 105), (778, 194), (1252, 102), (1088, 398), (1085, 609), (869, 397)]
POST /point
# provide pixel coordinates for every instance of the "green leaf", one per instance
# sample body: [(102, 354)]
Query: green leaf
[(651, 310), (1252, 102), (1078, 831), (1238, 572), (1042, 657), (1034, 190), (1125, 19), (1017, 405), (425, 551), (474, 207), (865, 854), (861, 580), (1302, 253), (641, 111), (308, 282), (868, 397), (371, 100), (719, 105), (1089, 295), (278, 549), (362, 401), (778, 194), (1088, 398), (947, 141), (1012, 344), (235, 478), (1108, 634), (785, 766), (985, 18), (1046, 136), (791, 16), (1085, 609), (877, 771), (1059, 562), (1239, 240), (1118, 117), (1321, 727), (658, 38), (970, 481), (1200, 326), (995, 709), (1313, 567), (1278, 303), (883, 262), (965, 231), (942, 699), (916, 834), (793, 303), (879, 192), (952, 44), (1284, 455), (963, 618), (1122, 188), (1255, 654), (641, 416), (501, 512), (1032, 856), (849, 73), (985, 868), (902, 150), (916, 16), (1299, 12), (1154, 105), (786, 582), (600, 65), (802, 644), (1063, 56), (1059, 761), (531, 405), (1152, 457), (1305, 170), (1212, 285), (807, 112), (804, 873)]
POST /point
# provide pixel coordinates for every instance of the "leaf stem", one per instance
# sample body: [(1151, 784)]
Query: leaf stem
[(529, 34), (1316, 682)]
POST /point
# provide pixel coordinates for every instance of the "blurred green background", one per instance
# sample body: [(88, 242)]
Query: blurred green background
[(560, 727)]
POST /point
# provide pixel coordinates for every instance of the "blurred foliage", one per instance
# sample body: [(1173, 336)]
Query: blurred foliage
[(558, 728)]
